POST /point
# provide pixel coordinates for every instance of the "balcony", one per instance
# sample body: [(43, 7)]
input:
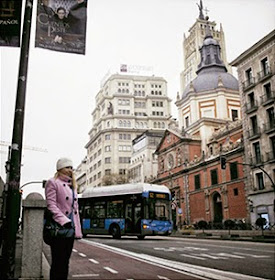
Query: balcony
[(264, 74), (269, 127), (254, 133), (268, 98), (251, 107), (248, 84), (257, 160), (270, 156)]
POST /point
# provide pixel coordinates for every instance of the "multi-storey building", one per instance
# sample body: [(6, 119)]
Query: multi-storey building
[(125, 107), (256, 72), (192, 44), (81, 175), (144, 164)]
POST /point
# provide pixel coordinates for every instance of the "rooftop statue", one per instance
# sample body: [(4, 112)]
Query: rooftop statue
[(201, 16)]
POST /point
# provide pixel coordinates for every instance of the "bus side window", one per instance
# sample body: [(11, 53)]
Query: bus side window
[(99, 210), (115, 209)]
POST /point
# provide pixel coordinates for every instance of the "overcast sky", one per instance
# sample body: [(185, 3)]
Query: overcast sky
[(61, 87)]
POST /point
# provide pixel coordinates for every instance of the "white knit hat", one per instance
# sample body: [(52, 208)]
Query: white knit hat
[(63, 162)]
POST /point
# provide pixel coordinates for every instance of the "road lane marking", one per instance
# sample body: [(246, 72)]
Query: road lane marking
[(93, 261), (163, 277), (229, 255), (84, 275), (190, 256), (211, 257), (74, 250), (110, 269), (184, 268), (253, 256), (82, 255), (164, 249)]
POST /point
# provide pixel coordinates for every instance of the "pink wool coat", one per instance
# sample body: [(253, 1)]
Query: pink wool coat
[(59, 199)]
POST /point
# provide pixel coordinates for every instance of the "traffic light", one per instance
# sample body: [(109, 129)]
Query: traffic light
[(223, 163)]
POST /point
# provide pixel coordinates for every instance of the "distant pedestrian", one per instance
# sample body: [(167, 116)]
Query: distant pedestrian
[(61, 197)]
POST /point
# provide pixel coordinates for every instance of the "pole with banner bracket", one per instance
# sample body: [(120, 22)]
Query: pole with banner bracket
[(13, 197)]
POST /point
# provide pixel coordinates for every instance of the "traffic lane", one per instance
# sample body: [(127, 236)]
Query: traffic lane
[(249, 258), (90, 262)]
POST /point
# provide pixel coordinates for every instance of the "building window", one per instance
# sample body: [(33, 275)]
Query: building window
[(272, 145), (107, 148), (197, 181), (107, 171), (265, 66), (257, 152), (260, 180), (214, 176), (251, 100), (270, 117), (124, 136), (107, 136), (236, 191), (122, 172), (124, 159), (267, 91), (254, 125), (234, 115), (107, 160), (186, 121), (234, 170), (249, 76)]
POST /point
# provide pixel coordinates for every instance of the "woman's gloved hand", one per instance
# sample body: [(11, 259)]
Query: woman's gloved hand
[(68, 225)]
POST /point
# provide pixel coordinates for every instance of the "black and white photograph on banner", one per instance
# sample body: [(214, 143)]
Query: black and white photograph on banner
[(10, 23), (61, 25)]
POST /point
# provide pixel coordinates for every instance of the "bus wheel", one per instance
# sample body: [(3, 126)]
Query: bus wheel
[(141, 237), (115, 231)]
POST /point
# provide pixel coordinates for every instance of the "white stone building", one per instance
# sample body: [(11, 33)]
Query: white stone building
[(126, 106), (144, 165)]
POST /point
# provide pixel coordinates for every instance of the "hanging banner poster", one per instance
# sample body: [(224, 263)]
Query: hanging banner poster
[(10, 22), (61, 25)]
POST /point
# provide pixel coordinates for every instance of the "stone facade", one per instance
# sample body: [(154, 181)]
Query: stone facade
[(256, 72), (126, 106)]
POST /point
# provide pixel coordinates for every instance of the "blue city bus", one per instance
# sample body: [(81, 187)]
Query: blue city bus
[(130, 209)]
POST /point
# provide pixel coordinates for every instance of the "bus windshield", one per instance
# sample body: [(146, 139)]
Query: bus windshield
[(157, 209)]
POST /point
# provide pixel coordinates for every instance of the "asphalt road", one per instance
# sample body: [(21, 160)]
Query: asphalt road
[(243, 260)]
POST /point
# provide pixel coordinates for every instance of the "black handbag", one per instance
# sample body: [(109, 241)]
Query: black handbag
[(53, 230)]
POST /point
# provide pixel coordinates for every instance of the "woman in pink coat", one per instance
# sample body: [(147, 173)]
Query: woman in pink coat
[(63, 204)]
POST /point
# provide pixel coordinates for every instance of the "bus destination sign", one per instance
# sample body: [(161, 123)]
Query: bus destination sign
[(158, 195)]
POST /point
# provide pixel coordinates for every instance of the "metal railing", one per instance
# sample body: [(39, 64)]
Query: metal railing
[(251, 106), (264, 73), (256, 131), (268, 126), (268, 96), (270, 155), (257, 160), (248, 83)]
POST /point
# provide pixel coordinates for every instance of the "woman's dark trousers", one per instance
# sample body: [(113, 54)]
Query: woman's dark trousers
[(61, 252)]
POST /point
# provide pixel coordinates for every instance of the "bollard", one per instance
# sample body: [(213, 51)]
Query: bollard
[(33, 214)]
